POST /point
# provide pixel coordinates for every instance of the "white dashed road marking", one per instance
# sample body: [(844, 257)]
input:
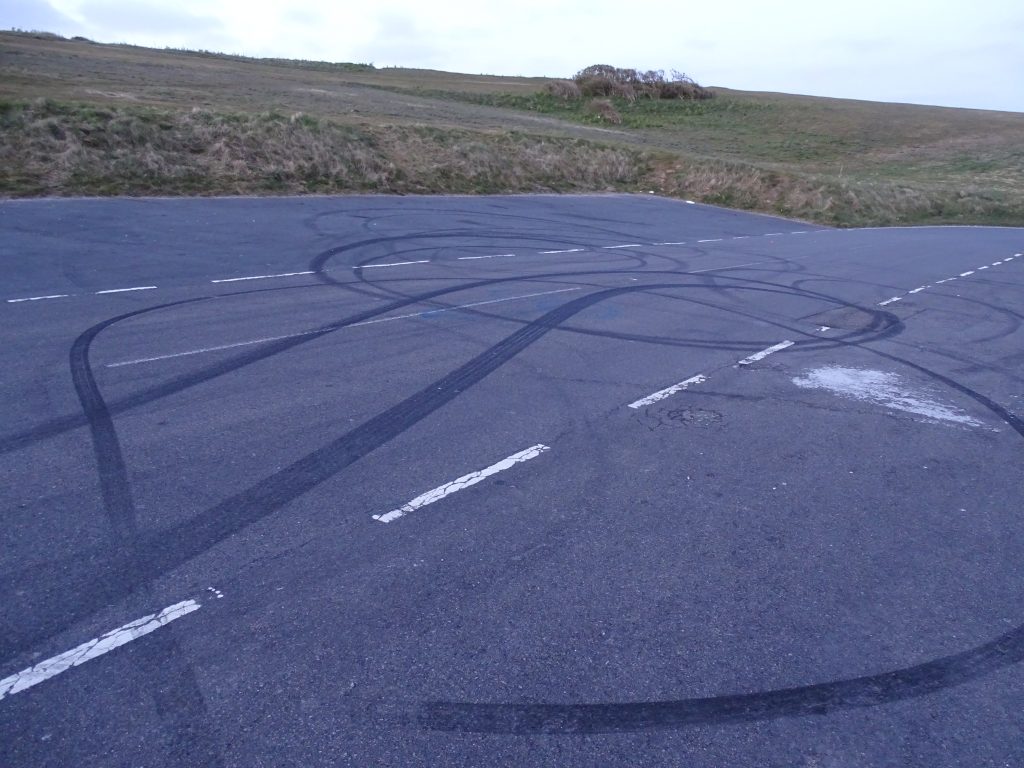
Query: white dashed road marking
[(968, 272), (492, 256), (765, 352), (391, 264), (44, 670), (463, 482), (627, 245), (126, 290), (39, 298), (661, 394), (565, 250), (889, 301), (260, 277)]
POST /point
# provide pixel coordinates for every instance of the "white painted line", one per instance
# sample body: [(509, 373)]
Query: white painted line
[(463, 482), (799, 232), (268, 339), (889, 301), (940, 282), (260, 277), (40, 298), (918, 290), (392, 264), (996, 263), (712, 240), (567, 250), (689, 202), (983, 267), (765, 352), (627, 245), (461, 306), (44, 670), (824, 328), (678, 243), (965, 274), (492, 256), (742, 237), (774, 234), (661, 394), (125, 290)]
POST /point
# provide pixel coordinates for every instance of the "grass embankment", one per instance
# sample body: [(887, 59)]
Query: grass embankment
[(64, 149), (80, 118)]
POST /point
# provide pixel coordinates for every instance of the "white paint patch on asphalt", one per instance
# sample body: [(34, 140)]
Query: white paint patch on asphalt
[(889, 301), (126, 290), (765, 352), (983, 267), (882, 388), (918, 290), (824, 328), (492, 256), (268, 339), (965, 274), (260, 277), (461, 483), (661, 394), (996, 263), (391, 264), (565, 250), (689, 202), (39, 298), (44, 670)]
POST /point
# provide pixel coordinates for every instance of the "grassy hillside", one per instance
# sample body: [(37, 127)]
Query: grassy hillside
[(81, 118)]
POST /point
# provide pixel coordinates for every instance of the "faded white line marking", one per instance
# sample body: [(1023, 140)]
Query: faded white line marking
[(44, 670), (689, 202), (774, 234), (268, 339), (661, 394), (765, 352), (996, 263), (492, 256), (125, 290), (965, 274), (711, 240), (889, 301), (824, 328), (678, 243), (799, 232), (463, 482), (39, 298), (565, 250), (627, 245), (391, 264), (984, 267), (940, 282), (260, 277), (918, 290), (881, 388)]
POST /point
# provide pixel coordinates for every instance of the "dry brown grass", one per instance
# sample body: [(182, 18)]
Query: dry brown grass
[(57, 149), (833, 161), (604, 110)]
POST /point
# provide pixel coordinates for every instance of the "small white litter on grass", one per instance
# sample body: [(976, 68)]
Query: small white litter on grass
[(885, 389)]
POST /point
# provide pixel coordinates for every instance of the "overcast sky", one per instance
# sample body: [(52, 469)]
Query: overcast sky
[(954, 53)]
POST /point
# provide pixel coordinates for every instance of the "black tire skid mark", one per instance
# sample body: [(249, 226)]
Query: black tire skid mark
[(180, 705), (817, 699), (75, 587), (61, 424)]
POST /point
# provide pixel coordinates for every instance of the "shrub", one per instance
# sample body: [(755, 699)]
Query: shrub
[(566, 90), (603, 109), (604, 81), (597, 85)]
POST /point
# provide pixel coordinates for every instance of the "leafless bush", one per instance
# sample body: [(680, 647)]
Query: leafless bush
[(597, 86), (603, 109), (566, 90), (604, 81)]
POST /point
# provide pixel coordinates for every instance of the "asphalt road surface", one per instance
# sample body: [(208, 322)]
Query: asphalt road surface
[(525, 481)]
